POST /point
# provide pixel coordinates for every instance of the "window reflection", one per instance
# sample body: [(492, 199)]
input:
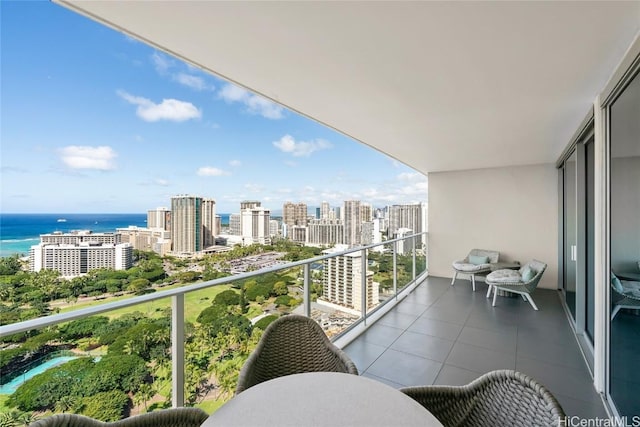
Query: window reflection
[(625, 250)]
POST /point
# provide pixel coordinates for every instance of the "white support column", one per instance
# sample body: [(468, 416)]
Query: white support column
[(395, 269), (363, 283), (413, 246), (601, 243), (177, 350), (306, 295)]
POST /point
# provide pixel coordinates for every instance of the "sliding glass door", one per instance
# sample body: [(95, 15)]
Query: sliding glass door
[(624, 345), (590, 277), (570, 248), (578, 233)]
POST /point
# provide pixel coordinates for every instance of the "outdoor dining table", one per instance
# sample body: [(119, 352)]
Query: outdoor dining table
[(321, 399)]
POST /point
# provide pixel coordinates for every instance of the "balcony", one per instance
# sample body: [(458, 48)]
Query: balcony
[(449, 335), (425, 332), (180, 354), (493, 117)]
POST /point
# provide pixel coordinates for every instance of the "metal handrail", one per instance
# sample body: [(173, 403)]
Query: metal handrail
[(41, 322), (177, 304)]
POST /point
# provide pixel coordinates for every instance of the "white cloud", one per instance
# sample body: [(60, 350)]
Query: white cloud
[(411, 177), (370, 193), (168, 109), (264, 107), (235, 163), (194, 82), (254, 188), (161, 62), (160, 182), (233, 93), (287, 144), (165, 66), (86, 157), (211, 171), (255, 104), (413, 183), (130, 39)]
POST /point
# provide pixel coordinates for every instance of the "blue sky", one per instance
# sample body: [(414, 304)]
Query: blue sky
[(94, 121)]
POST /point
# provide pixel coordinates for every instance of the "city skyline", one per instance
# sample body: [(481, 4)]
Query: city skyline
[(94, 121)]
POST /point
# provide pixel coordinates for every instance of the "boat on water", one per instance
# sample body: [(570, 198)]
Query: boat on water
[(61, 220)]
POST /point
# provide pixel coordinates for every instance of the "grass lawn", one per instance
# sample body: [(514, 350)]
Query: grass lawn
[(195, 302), (210, 406), (3, 400)]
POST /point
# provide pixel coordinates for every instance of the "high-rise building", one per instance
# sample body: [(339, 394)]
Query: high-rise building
[(249, 204), (255, 225), (80, 236), (186, 224), (371, 232), (209, 230), (147, 239), (325, 232), (406, 216), (404, 247), (352, 223), (218, 228), (235, 228), (342, 280), (77, 259), (294, 214), (298, 233), (159, 218), (325, 208), (274, 228), (366, 212)]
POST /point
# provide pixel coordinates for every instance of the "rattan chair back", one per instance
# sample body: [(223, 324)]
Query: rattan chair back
[(498, 398), (292, 344)]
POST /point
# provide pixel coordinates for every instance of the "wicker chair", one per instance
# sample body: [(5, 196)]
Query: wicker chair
[(512, 281), (176, 417), (465, 266), (290, 345), (498, 398)]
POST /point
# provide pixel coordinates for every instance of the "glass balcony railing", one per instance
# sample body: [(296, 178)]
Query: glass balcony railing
[(163, 349)]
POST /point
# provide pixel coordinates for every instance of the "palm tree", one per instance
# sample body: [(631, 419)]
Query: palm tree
[(145, 393), (66, 403), (16, 418)]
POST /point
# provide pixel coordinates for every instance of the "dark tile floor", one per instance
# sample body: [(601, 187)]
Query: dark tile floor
[(442, 334)]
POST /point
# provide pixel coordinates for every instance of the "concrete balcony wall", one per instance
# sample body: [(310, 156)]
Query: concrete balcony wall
[(513, 210)]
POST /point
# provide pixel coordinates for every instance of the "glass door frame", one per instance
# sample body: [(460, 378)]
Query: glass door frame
[(585, 135), (624, 74)]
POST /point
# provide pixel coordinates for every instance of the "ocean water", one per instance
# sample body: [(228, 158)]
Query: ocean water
[(18, 232)]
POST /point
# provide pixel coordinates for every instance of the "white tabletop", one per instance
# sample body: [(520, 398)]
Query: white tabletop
[(321, 399)]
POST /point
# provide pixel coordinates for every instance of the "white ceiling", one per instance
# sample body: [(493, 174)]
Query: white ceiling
[(437, 85)]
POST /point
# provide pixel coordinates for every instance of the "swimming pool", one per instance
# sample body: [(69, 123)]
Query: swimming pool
[(10, 387)]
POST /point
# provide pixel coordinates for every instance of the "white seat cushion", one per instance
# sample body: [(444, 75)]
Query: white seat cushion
[(631, 288), (470, 268), (504, 276)]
